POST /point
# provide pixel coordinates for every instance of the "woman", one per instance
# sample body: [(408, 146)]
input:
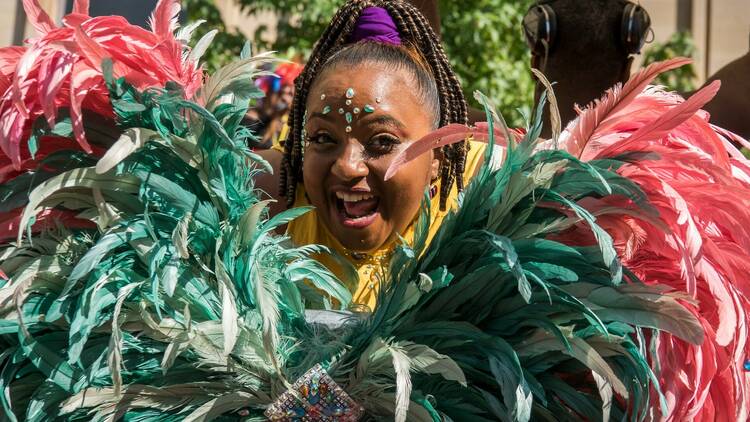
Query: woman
[(198, 310), (377, 81)]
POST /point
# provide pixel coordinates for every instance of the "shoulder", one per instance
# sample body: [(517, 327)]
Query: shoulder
[(474, 159)]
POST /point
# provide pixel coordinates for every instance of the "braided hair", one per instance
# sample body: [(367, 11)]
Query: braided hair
[(414, 30)]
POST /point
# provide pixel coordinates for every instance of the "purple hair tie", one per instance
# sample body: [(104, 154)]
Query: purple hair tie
[(375, 24)]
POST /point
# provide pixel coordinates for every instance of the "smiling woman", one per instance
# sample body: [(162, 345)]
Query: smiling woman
[(377, 82), (376, 109)]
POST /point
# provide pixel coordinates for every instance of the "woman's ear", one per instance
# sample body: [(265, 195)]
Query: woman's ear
[(437, 155)]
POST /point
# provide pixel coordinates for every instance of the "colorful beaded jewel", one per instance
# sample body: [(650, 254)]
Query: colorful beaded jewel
[(320, 400)]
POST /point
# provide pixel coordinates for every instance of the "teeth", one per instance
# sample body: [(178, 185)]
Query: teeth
[(353, 197)]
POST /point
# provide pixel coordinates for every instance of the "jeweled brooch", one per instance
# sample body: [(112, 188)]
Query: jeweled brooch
[(318, 399)]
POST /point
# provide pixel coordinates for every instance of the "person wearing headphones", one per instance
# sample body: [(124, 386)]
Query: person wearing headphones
[(730, 107), (584, 47)]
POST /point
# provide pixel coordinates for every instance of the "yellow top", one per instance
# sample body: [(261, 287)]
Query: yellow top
[(309, 229)]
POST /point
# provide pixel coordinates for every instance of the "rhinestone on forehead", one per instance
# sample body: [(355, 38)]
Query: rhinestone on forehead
[(349, 113)]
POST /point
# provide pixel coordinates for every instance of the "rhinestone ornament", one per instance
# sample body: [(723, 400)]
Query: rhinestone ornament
[(318, 399)]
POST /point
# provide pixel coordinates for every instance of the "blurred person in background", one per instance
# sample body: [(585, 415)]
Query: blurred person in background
[(268, 118), (584, 47), (730, 108)]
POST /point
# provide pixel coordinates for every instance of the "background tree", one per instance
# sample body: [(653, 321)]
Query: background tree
[(680, 44)]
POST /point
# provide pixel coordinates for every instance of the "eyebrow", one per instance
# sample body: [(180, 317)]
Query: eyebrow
[(385, 120), (320, 115)]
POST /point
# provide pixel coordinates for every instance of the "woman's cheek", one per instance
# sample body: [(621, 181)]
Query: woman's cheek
[(404, 198)]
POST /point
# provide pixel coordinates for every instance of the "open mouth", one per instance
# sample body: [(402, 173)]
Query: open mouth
[(357, 210)]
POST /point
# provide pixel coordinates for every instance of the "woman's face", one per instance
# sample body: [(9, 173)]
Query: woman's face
[(347, 154)]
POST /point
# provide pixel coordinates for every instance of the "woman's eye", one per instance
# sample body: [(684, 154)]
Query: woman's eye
[(383, 144), (320, 139)]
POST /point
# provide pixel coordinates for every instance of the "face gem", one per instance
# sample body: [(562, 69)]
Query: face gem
[(326, 109), (369, 109), (378, 100), (341, 111), (350, 93), (348, 102), (348, 129), (348, 117), (356, 110), (322, 97)]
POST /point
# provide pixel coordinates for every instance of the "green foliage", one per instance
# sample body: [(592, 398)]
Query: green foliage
[(680, 44), (227, 44), (482, 39), (484, 42)]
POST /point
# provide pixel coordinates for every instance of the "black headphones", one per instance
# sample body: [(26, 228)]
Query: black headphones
[(540, 28)]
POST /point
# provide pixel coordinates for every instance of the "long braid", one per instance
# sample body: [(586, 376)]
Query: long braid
[(453, 106), (414, 29)]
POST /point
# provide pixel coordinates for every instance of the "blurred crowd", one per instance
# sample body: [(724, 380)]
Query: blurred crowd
[(268, 117)]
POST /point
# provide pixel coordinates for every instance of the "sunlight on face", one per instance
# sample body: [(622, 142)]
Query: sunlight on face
[(347, 155)]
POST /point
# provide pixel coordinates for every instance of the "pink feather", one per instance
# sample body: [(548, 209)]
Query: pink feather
[(38, 80), (163, 20), (613, 102), (81, 7), (703, 197), (47, 219), (38, 18), (84, 80), (446, 135), (668, 121), (52, 75)]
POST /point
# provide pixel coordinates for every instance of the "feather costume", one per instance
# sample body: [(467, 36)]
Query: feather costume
[(158, 291)]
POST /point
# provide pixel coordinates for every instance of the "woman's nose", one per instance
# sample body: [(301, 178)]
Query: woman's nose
[(350, 164)]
